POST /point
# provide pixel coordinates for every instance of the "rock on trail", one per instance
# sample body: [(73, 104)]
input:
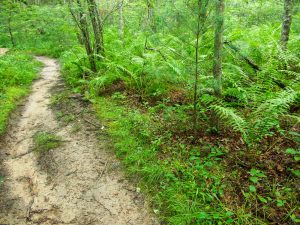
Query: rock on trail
[(80, 182)]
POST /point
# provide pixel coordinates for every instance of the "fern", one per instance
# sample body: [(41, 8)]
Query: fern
[(231, 118), (278, 105), (266, 116), (175, 69), (295, 119), (118, 67)]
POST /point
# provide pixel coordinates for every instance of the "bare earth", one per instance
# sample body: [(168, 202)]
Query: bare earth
[(87, 185), (3, 51)]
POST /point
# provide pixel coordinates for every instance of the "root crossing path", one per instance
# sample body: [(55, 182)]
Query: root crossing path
[(81, 183)]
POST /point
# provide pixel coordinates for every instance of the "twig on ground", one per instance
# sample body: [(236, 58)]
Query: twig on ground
[(21, 155), (28, 209), (95, 125), (103, 171), (108, 210), (70, 173)]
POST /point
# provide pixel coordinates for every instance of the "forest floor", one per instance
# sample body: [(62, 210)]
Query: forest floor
[(74, 178)]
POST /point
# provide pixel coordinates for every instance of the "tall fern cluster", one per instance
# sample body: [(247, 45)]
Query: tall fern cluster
[(155, 64), (264, 120)]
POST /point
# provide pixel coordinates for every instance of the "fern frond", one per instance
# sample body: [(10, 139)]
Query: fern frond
[(266, 116), (230, 117), (277, 106), (296, 119), (175, 69)]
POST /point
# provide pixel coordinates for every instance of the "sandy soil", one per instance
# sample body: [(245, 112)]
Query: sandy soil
[(80, 182), (3, 51)]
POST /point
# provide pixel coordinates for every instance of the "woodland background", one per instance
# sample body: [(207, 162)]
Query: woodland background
[(201, 97)]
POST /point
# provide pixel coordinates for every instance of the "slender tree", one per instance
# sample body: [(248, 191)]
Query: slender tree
[(286, 23), (79, 16), (97, 26), (121, 21), (150, 14), (218, 47), (218, 58), (201, 17), (9, 26)]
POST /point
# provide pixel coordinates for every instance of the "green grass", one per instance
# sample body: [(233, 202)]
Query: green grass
[(8, 102), (45, 141), (17, 71), (184, 187), (192, 184), (75, 128)]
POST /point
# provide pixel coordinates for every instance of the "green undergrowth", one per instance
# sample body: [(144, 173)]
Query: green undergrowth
[(185, 187), (198, 183), (244, 170), (8, 102), (43, 30), (17, 71)]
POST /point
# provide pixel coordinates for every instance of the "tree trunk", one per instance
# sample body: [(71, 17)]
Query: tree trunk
[(218, 58), (150, 14), (83, 26), (286, 23), (218, 47), (12, 40), (202, 9), (97, 26), (121, 22)]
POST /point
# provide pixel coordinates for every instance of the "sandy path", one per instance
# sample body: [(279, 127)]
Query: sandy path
[(87, 185), (3, 51)]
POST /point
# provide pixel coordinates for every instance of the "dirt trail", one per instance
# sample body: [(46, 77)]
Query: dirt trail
[(3, 51), (83, 182)]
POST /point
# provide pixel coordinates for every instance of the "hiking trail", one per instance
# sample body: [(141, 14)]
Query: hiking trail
[(80, 182)]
